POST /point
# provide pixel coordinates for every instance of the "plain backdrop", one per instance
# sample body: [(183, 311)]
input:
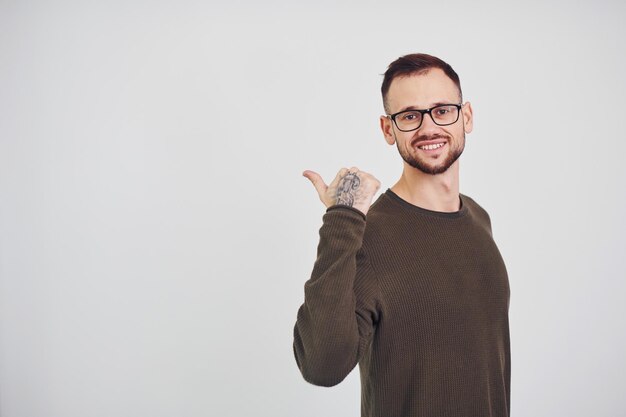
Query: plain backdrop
[(156, 232)]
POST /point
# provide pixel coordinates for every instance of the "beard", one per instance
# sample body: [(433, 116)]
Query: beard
[(426, 167)]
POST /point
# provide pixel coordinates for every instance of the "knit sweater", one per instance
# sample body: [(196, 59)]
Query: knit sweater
[(419, 299)]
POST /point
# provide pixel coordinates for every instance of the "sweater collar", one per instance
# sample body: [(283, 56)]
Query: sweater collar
[(445, 214)]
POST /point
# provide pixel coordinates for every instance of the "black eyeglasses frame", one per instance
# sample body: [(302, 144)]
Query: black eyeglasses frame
[(426, 111)]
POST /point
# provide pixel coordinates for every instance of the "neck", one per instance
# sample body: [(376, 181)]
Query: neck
[(433, 192)]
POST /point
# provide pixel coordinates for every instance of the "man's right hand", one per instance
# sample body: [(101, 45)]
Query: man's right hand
[(350, 187)]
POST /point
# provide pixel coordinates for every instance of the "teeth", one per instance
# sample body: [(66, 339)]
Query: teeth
[(430, 147)]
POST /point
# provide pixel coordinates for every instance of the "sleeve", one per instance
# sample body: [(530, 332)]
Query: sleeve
[(335, 324)]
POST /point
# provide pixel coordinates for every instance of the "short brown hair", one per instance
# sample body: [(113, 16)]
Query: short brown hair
[(416, 64)]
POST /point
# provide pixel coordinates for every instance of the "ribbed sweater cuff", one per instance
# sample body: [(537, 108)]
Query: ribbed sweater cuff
[(341, 206)]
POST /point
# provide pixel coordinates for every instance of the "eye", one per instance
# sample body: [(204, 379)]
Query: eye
[(409, 116), (442, 111)]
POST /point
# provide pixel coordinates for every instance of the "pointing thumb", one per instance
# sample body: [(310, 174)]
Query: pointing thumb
[(317, 181)]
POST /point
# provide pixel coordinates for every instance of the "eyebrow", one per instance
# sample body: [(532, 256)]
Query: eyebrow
[(439, 103)]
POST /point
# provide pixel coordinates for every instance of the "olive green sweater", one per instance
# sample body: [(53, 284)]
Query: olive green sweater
[(419, 299)]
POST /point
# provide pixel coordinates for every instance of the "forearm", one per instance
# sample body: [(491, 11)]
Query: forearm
[(326, 335)]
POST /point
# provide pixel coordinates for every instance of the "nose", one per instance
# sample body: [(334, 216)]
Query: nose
[(428, 124)]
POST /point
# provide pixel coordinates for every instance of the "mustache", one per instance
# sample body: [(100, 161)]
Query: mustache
[(423, 138)]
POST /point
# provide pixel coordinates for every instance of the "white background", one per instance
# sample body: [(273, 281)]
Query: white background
[(156, 233)]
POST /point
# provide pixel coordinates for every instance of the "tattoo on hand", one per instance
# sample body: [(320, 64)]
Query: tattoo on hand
[(346, 191)]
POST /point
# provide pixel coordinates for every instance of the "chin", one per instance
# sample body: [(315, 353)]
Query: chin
[(431, 169)]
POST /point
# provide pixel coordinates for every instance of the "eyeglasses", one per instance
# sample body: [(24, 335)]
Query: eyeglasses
[(442, 115)]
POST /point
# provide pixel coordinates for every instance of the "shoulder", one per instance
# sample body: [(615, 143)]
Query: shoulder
[(384, 220), (380, 212), (476, 210)]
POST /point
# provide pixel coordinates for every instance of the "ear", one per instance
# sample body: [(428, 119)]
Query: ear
[(468, 117), (386, 125)]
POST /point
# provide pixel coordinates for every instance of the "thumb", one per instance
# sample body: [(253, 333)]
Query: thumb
[(317, 181)]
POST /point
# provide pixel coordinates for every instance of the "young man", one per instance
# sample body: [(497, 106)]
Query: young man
[(412, 287)]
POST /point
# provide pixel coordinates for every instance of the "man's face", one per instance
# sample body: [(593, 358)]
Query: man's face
[(423, 92)]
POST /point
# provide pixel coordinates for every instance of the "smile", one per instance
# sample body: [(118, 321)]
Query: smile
[(431, 147)]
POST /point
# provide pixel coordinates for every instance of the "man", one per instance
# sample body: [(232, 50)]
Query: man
[(413, 287)]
